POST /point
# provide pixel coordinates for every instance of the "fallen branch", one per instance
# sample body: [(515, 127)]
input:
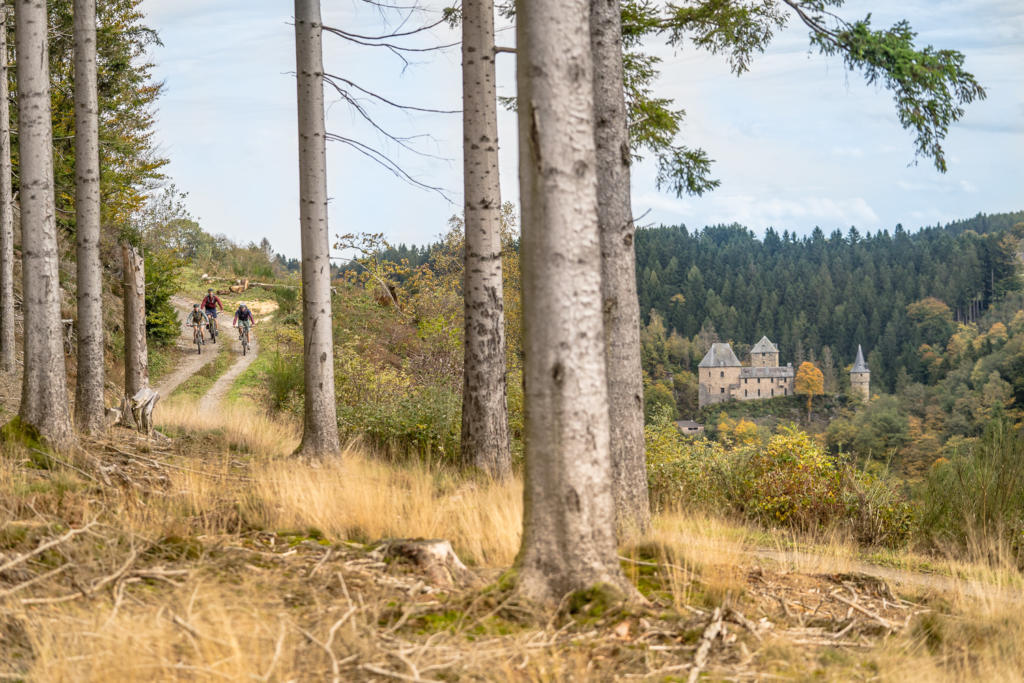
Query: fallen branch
[(45, 546), (700, 658), (866, 612)]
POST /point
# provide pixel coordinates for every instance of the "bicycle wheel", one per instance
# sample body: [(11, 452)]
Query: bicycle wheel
[(197, 338)]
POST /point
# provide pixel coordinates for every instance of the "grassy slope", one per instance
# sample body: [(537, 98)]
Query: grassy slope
[(215, 557)]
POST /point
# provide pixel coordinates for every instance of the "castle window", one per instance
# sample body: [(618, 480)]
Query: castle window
[(744, 393), (722, 373), (759, 393), (773, 392), (722, 390)]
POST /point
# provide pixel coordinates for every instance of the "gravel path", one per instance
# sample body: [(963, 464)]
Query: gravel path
[(220, 388), (193, 361)]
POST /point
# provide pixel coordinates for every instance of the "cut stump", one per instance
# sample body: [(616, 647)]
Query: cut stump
[(432, 556)]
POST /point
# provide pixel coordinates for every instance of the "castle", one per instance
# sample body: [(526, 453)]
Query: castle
[(722, 377)]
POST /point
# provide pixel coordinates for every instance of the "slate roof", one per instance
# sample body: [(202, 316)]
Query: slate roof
[(771, 373), (859, 365), (765, 346), (720, 356)]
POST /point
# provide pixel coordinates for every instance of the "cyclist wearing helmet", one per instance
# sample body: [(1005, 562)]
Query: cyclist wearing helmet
[(243, 317), (210, 304), (196, 318)]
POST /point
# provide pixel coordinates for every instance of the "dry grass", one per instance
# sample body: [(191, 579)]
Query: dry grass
[(356, 498), (243, 428), (241, 567)]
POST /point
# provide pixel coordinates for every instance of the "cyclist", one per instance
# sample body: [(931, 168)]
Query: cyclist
[(211, 302), (243, 318), (197, 319)]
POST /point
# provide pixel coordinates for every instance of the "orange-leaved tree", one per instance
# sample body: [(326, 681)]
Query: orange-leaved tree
[(809, 382)]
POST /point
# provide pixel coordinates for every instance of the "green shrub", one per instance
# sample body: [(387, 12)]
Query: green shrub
[(162, 324), (974, 502), (284, 377), (287, 299), (790, 481)]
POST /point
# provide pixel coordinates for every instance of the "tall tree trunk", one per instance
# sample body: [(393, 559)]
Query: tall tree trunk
[(320, 427), (44, 398), (89, 413), (6, 212), (569, 516), (136, 355), (485, 438), (618, 271)]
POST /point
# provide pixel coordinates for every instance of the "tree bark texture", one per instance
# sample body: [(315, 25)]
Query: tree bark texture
[(618, 271), (6, 212), (569, 517), (44, 398), (485, 436), (320, 427), (89, 403), (136, 356)]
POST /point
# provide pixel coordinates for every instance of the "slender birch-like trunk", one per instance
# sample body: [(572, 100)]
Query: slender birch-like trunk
[(569, 515), (89, 403), (618, 271), (136, 354), (44, 397), (6, 212), (485, 437), (320, 427)]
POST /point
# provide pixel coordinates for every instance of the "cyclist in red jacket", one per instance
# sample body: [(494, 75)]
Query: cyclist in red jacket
[(211, 302)]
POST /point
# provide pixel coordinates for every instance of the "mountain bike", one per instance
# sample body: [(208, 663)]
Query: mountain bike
[(197, 337), (211, 326), (243, 338)]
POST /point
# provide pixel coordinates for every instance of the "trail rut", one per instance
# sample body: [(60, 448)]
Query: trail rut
[(220, 388), (193, 362)]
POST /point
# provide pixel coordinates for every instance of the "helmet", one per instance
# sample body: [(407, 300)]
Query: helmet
[(195, 305), (209, 291), (242, 306)]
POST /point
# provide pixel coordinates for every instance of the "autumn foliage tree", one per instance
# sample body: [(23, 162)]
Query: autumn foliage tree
[(810, 383)]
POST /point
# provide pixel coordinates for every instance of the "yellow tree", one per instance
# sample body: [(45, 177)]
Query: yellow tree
[(809, 382)]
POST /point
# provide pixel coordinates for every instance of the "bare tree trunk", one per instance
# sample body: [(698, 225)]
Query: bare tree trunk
[(89, 408), (133, 287), (485, 437), (618, 270), (6, 212), (44, 397), (569, 516), (320, 427)]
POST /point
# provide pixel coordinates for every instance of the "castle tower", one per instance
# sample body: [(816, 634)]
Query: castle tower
[(764, 354), (718, 374), (860, 377)]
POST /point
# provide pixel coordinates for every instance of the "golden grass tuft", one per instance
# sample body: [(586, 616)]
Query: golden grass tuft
[(357, 498), (243, 427)]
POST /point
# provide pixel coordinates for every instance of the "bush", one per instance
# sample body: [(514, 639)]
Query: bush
[(284, 376), (162, 325), (974, 502), (790, 481), (287, 299)]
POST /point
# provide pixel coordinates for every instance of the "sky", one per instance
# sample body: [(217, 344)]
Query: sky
[(798, 141)]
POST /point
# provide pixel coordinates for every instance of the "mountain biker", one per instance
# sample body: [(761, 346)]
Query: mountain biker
[(197, 318), (243, 318), (210, 304)]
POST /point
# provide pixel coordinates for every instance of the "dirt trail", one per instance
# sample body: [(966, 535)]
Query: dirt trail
[(193, 361), (220, 388), (905, 578)]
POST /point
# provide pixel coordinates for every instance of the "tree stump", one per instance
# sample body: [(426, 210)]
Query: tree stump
[(431, 556)]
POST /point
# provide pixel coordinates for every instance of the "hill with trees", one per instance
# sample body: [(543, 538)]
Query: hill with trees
[(819, 296)]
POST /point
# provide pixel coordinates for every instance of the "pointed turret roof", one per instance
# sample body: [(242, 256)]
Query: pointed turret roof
[(765, 346), (859, 365), (720, 356)]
